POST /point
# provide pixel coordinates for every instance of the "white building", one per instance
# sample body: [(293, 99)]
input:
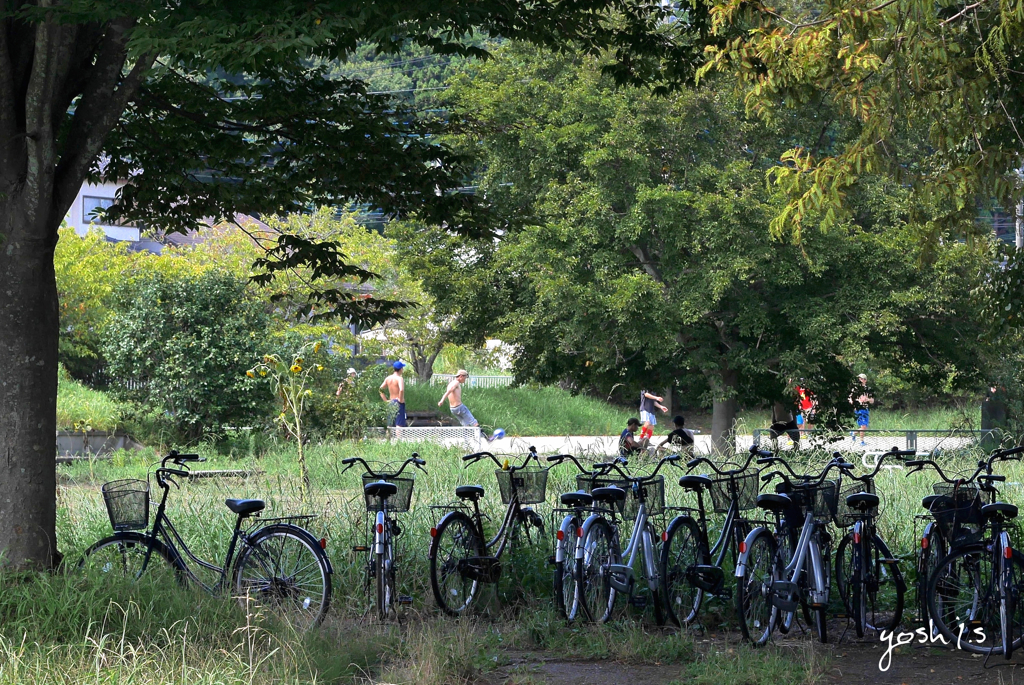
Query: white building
[(90, 198)]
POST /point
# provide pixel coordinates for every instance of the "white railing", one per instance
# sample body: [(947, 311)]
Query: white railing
[(474, 381)]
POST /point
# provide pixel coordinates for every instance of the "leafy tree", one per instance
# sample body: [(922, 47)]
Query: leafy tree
[(227, 107), (87, 270), (639, 253), (179, 346)]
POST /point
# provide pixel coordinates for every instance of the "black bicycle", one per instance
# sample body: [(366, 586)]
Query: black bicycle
[(275, 564), (690, 566), (461, 558), (386, 493), (975, 592), (868, 575)]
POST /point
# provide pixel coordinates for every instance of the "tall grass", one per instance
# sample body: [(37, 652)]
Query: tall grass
[(82, 408)]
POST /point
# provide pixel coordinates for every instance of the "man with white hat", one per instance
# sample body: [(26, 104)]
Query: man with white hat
[(460, 411)]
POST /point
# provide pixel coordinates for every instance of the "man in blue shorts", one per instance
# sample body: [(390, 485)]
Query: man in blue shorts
[(862, 398)]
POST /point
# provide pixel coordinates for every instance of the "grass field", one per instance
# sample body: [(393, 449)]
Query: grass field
[(82, 408), (57, 629)]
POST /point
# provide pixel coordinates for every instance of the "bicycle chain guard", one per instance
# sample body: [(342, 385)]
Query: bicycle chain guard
[(480, 569), (706, 577)]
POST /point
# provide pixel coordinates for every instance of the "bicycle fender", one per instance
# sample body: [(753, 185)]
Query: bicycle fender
[(741, 563), (432, 550), (378, 533), (567, 537), (584, 531)]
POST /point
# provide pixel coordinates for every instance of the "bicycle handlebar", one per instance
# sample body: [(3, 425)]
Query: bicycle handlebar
[(414, 459), (477, 456), (559, 458), (690, 465)]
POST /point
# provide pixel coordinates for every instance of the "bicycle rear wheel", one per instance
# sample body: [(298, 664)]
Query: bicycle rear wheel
[(682, 551), (283, 569), (454, 541), (753, 588), (600, 548), (932, 549), (385, 572), (565, 586), (964, 591)]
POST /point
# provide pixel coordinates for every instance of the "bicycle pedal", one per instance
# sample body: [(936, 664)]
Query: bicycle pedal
[(551, 560), (784, 595), (639, 602), (404, 600)]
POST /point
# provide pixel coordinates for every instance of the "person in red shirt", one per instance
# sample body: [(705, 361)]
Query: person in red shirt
[(807, 404)]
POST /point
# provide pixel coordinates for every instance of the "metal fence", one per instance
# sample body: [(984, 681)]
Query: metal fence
[(920, 440), (473, 381), (446, 435)]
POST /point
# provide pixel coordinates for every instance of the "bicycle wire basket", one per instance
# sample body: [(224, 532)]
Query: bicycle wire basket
[(741, 487), (127, 503), (652, 490), (398, 502), (820, 499), (531, 484), (845, 515), (958, 513)]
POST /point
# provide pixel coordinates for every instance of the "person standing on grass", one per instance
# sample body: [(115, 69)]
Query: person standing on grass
[(396, 389), (460, 411), (862, 398), (648, 403)]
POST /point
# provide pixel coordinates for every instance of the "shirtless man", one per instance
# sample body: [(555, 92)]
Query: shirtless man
[(454, 394), (396, 388)]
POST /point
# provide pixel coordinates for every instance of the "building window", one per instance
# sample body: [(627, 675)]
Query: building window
[(90, 206)]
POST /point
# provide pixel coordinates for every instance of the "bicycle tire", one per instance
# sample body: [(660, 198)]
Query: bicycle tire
[(121, 555), (968, 569), (848, 581), (785, 541), (931, 550), (282, 568), (600, 548), (566, 589), (821, 612), (753, 606), (456, 538), (657, 597), (385, 572), (682, 550)]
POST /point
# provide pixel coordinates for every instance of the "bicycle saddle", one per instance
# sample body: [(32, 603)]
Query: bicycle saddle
[(609, 494), (244, 507), (862, 501), (1000, 509), (929, 501), (695, 482), (773, 502), (380, 489), (577, 499), (470, 492)]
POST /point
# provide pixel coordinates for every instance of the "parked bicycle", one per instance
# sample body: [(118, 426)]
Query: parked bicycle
[(386, 493), (275, 563), (603, 570), (690, 566), (868, 575), (775, 578), (576, 506), (975, 592), (460, 556)]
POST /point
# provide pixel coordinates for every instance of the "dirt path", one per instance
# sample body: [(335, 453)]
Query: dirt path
[(850, 662)]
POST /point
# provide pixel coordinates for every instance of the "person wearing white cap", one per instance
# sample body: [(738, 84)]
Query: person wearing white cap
[(396, 389), (460, 411), (862, 398), (350, 382)]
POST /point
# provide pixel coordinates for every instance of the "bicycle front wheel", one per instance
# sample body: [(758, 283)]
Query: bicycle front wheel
[(600, 549), (753, 589), (122, 556), (683, 551), (453, 541), (281, 568), (964, 600)]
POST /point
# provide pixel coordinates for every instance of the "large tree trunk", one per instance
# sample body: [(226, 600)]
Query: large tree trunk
[(28, 391), (723, 413)]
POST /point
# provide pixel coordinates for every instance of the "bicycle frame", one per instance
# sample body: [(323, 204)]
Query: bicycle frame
[(621, 575)]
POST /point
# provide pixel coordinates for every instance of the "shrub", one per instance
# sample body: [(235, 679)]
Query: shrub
[(179, 345)]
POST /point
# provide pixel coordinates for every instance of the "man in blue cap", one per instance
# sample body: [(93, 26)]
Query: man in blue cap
[(396, 389)]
